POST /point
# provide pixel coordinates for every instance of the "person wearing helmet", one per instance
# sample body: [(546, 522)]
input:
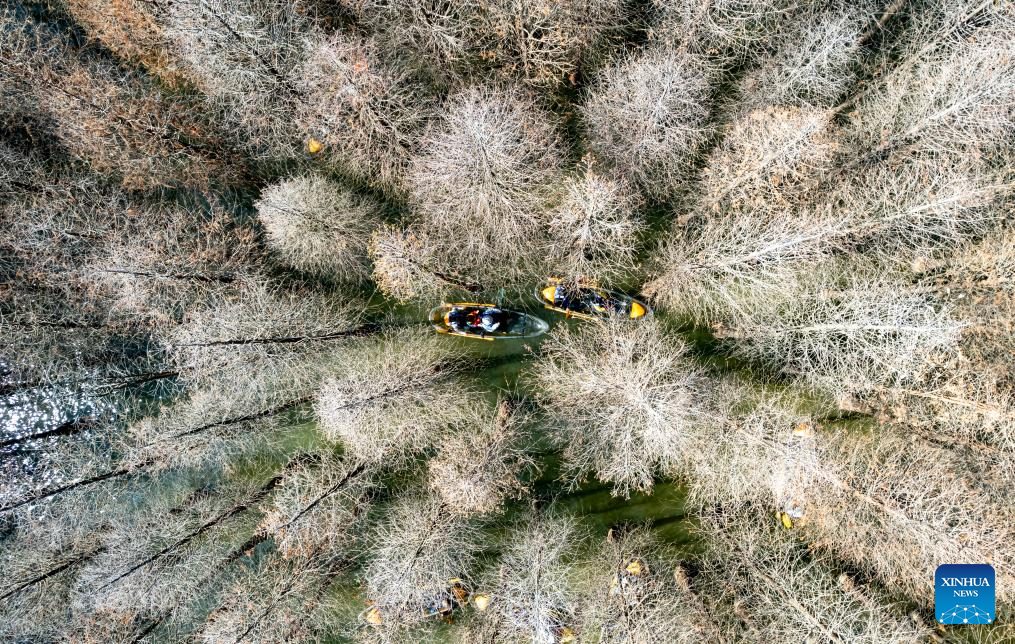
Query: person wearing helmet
[(484, 320), (490, 320), (458, 320), (582, 299)]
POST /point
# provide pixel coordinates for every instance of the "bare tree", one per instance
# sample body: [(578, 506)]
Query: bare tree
[(963, 404), (18, 170), (728, 269), (882, 500), (898, 506), (214, 425), (848, 337), (77, 472), (443, 37), (315, 522), (73, 355), (767, 588), (286, 336), (318, 508), (52, 223), (168, 258), (34, 605), (483, 178), (24, 48), (160, 563), (636, 592), (93, 268), (122, 125), (767, 161), (941, 203), (391, 398), (533, 594), (933, 23), (543, 44), (367, 113), (646, 116), (43, 551), (245, 57), (756, 220), (816, 62), (624, 401), (978, 280), (728, 30), (130, 29), (912, 209), (766, 454), (953, 101), (408, 266), (480, 465), (77, 540), (80, 332), (416, 553), (548, 42), (277, 599), (595, 230), (199, 444), (768, 230), (317, 226), (964, 399), (116, 120)]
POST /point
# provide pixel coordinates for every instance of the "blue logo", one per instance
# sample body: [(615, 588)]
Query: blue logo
[(964, 594)]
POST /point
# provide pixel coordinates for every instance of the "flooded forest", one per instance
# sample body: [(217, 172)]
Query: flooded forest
[(497, 321)]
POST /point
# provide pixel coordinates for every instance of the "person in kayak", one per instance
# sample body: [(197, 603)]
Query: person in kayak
[(491, 320), (476, 320), (585, 300), (590, 302)]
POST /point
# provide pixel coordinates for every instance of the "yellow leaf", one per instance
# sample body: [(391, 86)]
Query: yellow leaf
[(634, 568), (374, 617), (482, 601)]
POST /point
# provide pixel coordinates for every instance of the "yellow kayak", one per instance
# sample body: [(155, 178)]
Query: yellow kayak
[(589, 302)]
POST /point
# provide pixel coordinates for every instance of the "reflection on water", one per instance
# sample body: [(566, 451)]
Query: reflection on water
[(37, 426), (44, 409), (34, 421)]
